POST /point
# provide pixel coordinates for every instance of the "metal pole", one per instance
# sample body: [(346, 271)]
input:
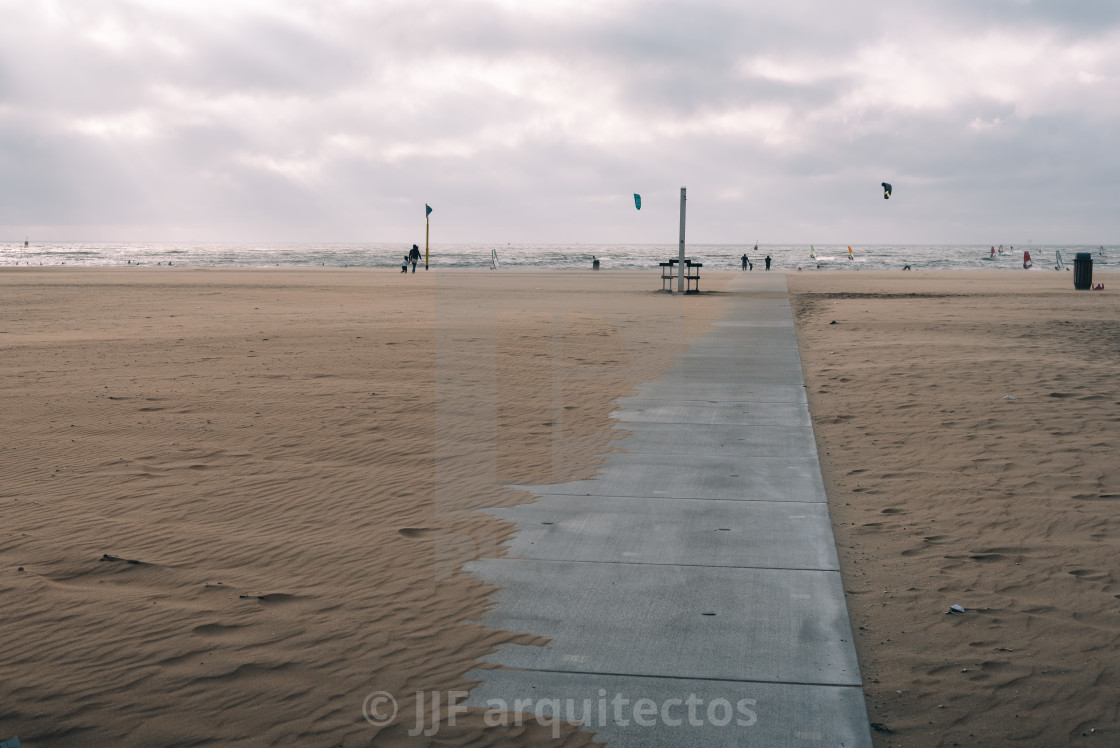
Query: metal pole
[(680, 254), (427, 223)]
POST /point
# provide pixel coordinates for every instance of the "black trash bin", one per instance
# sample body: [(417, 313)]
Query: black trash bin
[(1083, 271)]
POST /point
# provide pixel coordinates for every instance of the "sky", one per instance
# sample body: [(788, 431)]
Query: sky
[(996, 121)]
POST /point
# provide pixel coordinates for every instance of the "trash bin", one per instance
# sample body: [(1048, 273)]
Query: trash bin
[(1083, 271)]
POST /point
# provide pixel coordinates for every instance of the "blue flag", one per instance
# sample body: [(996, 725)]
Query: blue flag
[(637, 201), (427, 210)]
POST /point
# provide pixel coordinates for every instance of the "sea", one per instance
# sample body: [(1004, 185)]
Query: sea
[(547, 256)]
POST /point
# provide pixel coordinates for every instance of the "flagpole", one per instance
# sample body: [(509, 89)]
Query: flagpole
[(427, 225), (680, 256)]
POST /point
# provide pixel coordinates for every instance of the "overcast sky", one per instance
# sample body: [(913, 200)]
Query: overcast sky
[(997, 121)]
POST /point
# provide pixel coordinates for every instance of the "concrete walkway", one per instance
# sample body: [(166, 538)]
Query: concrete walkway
[(691, 590)]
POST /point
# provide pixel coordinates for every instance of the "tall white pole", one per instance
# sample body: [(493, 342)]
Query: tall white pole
[(680, 255)]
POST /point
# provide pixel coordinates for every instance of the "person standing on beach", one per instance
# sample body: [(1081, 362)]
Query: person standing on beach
[(746, 261), (404, 265), (767, 262), (414, 256)]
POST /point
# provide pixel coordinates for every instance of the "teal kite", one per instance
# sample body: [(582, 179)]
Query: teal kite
[(637, 201)]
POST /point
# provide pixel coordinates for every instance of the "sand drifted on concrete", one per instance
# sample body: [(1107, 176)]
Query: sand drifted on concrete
[(945, 491), (234, 503)]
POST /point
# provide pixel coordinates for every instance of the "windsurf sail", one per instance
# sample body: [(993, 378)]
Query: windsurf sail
[(812, 252), (850, 255), (993, 255), (1059, 264), (1026, 260), (494, 259)]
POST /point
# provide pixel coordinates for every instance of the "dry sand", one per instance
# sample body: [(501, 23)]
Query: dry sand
[(943, 492), (241, 499)]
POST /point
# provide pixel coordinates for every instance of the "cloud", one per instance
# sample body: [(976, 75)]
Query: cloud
[(309, 121)]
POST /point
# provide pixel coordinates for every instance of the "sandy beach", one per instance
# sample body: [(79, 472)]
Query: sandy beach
[(943, 492), (235, 503)]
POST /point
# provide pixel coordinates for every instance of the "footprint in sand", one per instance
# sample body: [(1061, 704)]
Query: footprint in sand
[(107, 557), (416, 533), (987, 557), (272, 598), (212, 630), (1090, 574)]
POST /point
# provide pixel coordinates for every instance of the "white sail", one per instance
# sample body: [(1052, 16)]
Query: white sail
[(1059, 264), (494, 259)]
